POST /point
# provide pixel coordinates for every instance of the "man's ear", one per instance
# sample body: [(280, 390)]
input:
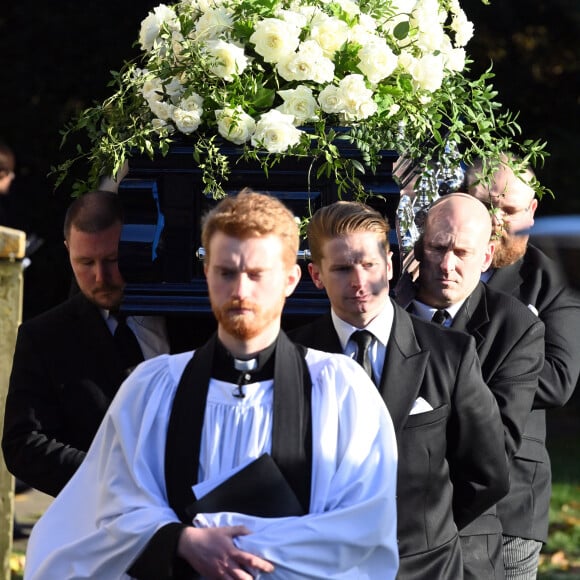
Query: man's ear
[(66, 245), (488, 256), (294, 275), (314, 272), (533, 208)]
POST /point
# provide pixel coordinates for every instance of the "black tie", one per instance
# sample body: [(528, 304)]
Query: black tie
[(127, 343), (440, 317), (363, 339)]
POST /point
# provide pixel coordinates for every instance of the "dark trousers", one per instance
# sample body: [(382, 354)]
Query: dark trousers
[(482, 557)]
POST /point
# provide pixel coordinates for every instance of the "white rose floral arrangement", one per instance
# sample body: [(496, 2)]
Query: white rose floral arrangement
[(281, 78)]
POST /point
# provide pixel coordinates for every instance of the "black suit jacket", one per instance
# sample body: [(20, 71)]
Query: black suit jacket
[(65, 372), (442, 483), (510, 346), (536, 280)]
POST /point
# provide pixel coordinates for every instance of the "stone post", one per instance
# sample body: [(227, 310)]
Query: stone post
[(12, 246)]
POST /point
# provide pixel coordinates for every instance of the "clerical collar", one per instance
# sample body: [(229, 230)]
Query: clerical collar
[(227, 368)]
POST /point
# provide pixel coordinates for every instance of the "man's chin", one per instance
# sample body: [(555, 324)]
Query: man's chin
[(108, 302)]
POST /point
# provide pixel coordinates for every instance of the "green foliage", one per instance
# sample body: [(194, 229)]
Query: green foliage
[(177, 87)]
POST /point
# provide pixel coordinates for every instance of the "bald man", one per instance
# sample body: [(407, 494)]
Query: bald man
[(526, 273), (453, 251)]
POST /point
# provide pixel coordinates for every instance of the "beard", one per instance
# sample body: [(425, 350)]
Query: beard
[(107, 297), (509, 249), (244, 325)]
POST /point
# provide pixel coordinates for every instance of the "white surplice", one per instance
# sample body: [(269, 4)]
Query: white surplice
[(107, 513)]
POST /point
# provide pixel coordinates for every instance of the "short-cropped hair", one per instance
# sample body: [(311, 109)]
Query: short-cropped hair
[(342, 218), (252, 215), (93, 212)]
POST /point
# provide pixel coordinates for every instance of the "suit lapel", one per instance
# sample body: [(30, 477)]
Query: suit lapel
[(94, 335), (403, 370), (473, 315)]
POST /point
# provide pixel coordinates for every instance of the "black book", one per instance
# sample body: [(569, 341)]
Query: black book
[(259, 489)]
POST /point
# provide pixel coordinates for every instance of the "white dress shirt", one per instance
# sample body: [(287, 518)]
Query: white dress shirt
[(150, 331), (379, 327)]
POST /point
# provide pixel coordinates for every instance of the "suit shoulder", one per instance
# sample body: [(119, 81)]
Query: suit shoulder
[(301, 334), (539, 259), (54, 317), (516, 313)]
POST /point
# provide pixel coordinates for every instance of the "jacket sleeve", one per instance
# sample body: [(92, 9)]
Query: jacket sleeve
[(477, 459), (514, 380), (561, 369), (33, 449)]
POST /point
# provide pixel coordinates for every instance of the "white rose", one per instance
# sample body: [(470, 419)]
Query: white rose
[(313, 14), (350, 7), (235, 125), (201, 5), (274, 39), (276, 132), (230, 59), (357, 98), (300, 103), (376, 60), (294, 18), (431, 38), (363, 31), (406, 60), (186, 121), (152, 89), (330, 34), (364, 110), (161, 109), (462, 27), (403, 6), (212, 23), (329, 100), (428, 17), (174, 88), (428, 72), (151, 25), (428, 12), (187, 114), (455, 59), (192, 103), (308, 64)]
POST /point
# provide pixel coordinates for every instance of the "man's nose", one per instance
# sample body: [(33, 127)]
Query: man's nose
[(241, 285), (448, 262), (357, 278), (100, 272)]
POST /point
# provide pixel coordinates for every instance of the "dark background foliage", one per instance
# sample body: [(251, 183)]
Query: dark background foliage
[(56, 58)]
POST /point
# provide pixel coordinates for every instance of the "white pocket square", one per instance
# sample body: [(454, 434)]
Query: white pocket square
[(533, 309), (420, 406)]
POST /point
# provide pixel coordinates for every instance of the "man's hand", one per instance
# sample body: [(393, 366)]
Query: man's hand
[(211, 551)]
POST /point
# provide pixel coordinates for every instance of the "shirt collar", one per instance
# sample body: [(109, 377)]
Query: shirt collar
[(485, 276), (379, 326), (426, 312)]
